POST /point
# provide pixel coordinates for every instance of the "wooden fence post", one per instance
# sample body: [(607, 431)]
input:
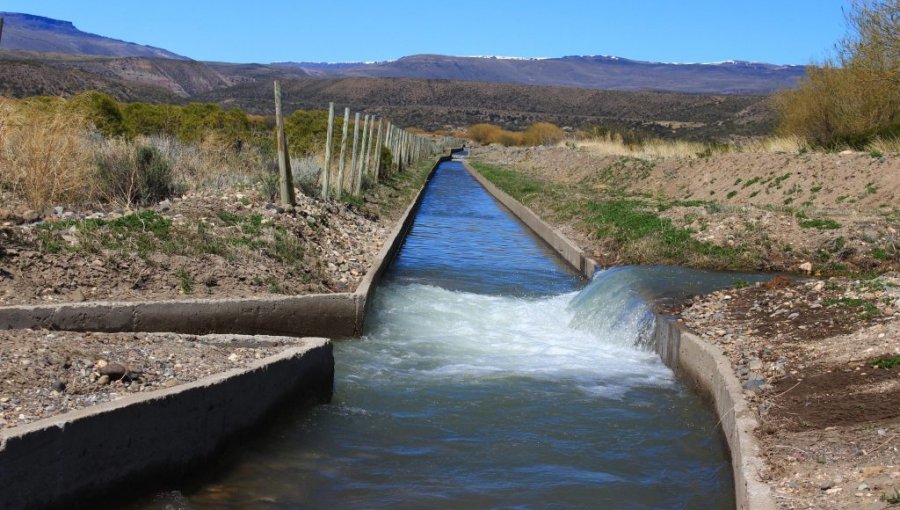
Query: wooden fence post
[(354, 157), (362, 155), (378, 148), (389, 144), (340, 179), (369, 151), (327, 170), (288, 200)]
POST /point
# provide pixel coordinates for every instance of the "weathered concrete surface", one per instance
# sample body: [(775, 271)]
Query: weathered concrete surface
[(60, 461), (712, 374), (568, 250), (330, 315)]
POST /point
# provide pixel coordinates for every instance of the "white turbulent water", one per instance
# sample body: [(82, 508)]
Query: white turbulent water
[(425, 332)]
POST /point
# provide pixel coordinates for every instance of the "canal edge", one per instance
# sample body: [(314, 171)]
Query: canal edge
[(120, 446), (704, 365)]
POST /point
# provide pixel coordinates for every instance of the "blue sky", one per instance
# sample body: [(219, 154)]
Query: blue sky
[(776, 31)]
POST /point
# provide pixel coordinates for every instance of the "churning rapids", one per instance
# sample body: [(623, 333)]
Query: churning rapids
[(490, 376)]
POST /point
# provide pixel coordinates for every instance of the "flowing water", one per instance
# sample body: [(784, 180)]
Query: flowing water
[(491, 376)]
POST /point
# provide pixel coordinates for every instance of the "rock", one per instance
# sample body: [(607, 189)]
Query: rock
[(754, 364), (77, 296), (806, 268), (754, 382), (57, 211), (164, 206), (114, 371), (31, 216), (103, 380), (233, 357)]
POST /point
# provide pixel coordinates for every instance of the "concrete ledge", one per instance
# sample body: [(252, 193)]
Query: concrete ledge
[(568, 250), (155, 436), (711, 373), (330, 315)]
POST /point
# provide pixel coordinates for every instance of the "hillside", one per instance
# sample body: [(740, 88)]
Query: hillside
[(436, 104), (594, 72), (37, 33)]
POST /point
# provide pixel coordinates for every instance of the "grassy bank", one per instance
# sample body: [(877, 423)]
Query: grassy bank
[(628, 228)]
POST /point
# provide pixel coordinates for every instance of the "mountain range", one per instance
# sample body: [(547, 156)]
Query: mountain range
[(34, 33), (43, 56)]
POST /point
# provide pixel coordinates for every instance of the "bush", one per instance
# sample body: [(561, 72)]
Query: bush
[(306, 172), (543, 133), (138, 177), (45, 152), (853, 99), (539, 133)]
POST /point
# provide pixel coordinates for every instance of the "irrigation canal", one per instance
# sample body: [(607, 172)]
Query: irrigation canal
[(489, 376)]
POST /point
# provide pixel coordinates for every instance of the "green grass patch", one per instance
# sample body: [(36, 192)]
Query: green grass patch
[(820, 224), (865, 309), (886, 362)]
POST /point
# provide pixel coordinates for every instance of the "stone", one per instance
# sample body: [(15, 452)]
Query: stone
[(114, 371), (164, 206), (31, 216), (806, 268), (754, 382), (103, 380)]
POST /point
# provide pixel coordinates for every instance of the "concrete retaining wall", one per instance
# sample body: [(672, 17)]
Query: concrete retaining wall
[(140, 439), (568, 250), (707, 368), (711, 372), (326, 315)]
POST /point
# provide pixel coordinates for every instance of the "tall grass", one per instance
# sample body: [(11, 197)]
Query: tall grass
[(52, 153), (46, 153)]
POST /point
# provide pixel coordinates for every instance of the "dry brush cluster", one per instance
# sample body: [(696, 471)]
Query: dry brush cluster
[(539, 133), (55, 152), (852, 99)]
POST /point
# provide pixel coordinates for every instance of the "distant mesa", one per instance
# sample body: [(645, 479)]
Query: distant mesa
[(36, 33)]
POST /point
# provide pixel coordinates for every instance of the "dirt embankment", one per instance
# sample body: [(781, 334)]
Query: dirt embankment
[(837, 212), (208, 244), (820, 365)]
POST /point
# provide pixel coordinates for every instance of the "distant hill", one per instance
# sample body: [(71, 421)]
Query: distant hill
[(36, 33), (445, 104), (592, 72)]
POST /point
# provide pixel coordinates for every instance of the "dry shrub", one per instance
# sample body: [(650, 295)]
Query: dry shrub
[(612, 144), (885, 145), (542, 133), (45, 152), (855, 98), (776, 145), (484, 133), (539, 133)]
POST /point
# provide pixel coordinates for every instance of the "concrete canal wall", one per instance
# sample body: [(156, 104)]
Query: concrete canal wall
[(702, 364), (136, 440)]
